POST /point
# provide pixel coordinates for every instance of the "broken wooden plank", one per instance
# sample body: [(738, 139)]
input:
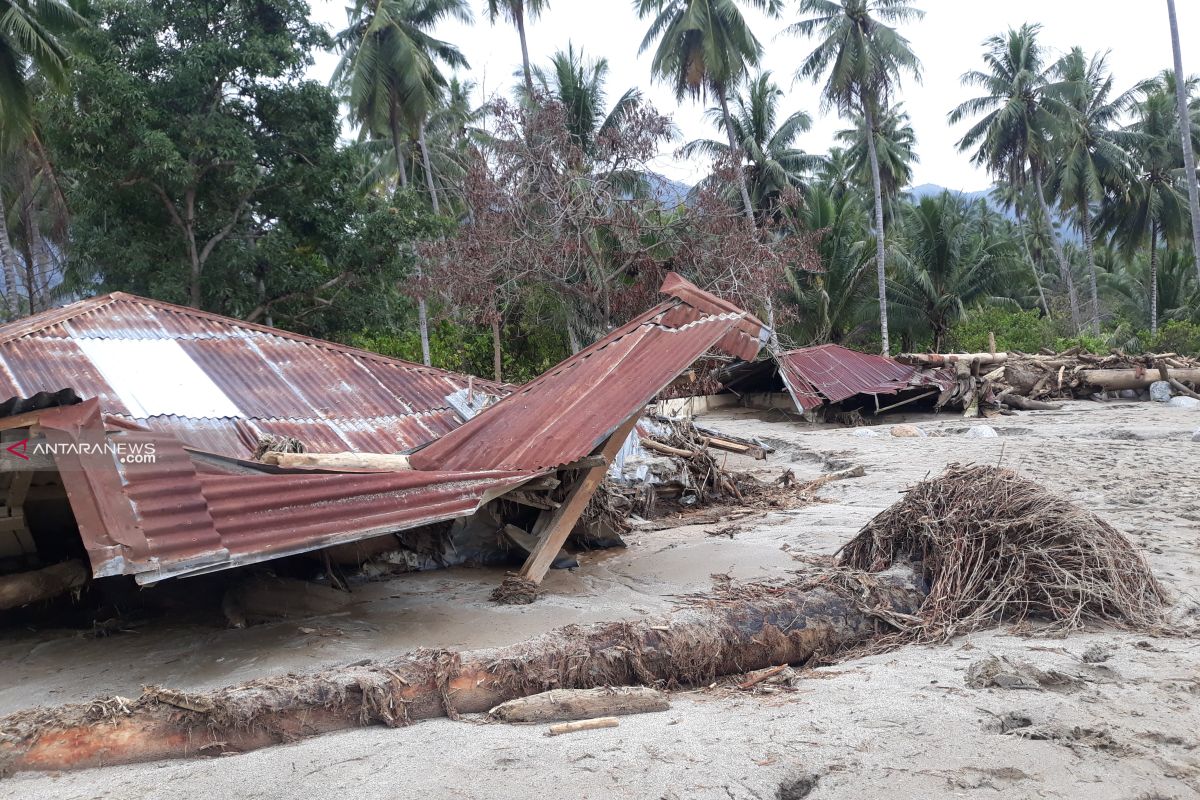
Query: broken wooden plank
[(554, 532), (668, 450)]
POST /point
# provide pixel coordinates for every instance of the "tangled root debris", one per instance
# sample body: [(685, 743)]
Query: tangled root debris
[(996, 547)]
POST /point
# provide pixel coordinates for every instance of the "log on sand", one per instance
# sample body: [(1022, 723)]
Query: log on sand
[(1025, 404), (1115, 379), (564, 704), (752, 627), (36, 585)]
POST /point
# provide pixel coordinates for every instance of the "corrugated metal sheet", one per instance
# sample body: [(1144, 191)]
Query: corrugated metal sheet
[(332, 398), (189, 511), (566, 413), (830, 373), (177, 516)]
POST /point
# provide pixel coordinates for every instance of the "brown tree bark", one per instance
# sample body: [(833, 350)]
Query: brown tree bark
[(758, 628)]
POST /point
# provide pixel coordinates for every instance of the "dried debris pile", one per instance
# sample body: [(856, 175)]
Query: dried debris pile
[(996, 547), (679, 465), (985, 383)]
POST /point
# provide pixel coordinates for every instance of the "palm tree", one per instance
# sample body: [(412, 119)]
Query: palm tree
[(1185, 135), (30, 43), (948, 259), (389, 71), (835, 174), (1015, 198), (31, 47), (775, 165), (517, 12), (1014, 137), (831, 302), (865, 60), (705, 46), (895, 142), (1152, 203), (579, 85), (1088, 151)]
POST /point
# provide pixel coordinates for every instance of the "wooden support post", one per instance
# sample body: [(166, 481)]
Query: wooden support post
[(553, 527)]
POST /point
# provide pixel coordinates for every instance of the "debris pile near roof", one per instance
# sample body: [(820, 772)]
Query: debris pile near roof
[(988, 383)]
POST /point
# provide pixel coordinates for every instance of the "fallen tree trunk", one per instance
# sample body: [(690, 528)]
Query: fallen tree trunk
[(946, 359), (1115, 379), (1183, 390), (563, 704), (760, 626), (36, 585)]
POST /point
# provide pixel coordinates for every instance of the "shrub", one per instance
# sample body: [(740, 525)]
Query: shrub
[(1177, 337), (1026, 331)]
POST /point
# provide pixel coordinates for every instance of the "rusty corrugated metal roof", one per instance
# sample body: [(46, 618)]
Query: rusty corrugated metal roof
[(256, 379), (182, 515), (566, 413), (830, 373), (188, 511)]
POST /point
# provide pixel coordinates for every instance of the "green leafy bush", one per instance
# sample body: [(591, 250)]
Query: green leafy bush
[(1026, 331), (1177, 337)]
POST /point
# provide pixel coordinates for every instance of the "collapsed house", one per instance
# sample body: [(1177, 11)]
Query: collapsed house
[(152, 474), (838, 384), (835, 379)]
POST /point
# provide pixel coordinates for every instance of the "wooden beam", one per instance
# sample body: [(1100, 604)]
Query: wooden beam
[(553, 527), (380, 462)]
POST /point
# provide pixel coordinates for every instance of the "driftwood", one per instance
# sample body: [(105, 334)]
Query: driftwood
[(948, 359), (583, 725), (1025, 404), (564, 704), (25, 588), (1183, 390), (751, 628), (1116, 379)]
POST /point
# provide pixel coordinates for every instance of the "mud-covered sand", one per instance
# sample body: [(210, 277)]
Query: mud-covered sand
[(903, 723)]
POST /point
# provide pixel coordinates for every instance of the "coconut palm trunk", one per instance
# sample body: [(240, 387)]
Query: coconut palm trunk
[(735, 152), (398, 143), (8, 264), (428, 164), (880, 258), (1153, 287), (1059, 254), (1037, 278), (518, 11), (1085, 223), (1185, 135)]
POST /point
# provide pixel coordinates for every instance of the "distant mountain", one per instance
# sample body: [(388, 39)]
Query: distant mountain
[(918, 193), (669, 193), (933, 190)]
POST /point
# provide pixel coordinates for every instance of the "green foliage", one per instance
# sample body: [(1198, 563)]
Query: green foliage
[(1026, 331), (527, 352), (1177, 337)]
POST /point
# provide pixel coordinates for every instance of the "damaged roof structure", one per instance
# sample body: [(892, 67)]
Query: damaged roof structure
[(829, 373), (197, 389), (219, 384)]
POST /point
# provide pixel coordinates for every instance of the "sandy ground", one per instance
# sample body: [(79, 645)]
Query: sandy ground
[(903, 723)]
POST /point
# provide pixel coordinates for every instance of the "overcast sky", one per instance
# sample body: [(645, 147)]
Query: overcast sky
[(948, 42)]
